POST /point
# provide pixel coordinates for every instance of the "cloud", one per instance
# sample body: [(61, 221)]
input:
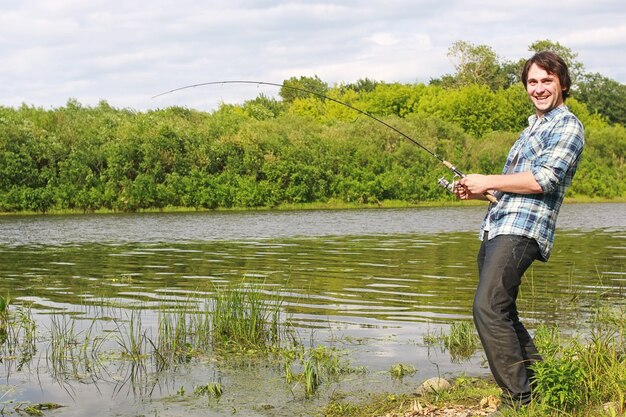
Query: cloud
[(126, 51), (609, 37)]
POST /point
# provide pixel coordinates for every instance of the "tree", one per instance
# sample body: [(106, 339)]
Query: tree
[(604, 96), (362, 85), (302, 87), (476, 65), (263, 107), (576, 68)]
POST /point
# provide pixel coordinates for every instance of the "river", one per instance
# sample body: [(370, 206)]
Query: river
[(373, 283)]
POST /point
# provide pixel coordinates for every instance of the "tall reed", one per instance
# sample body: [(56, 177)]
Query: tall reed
[(462, 341), (60, 350), (181, 334), (17, 333), (132, 338), (243, 317)]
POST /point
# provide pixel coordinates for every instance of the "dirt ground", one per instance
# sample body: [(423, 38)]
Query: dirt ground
[(421, 409)]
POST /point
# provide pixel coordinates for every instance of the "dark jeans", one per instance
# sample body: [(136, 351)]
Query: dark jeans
[(502, 262)]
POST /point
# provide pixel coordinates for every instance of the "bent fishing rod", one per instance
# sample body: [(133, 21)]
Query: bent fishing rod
[(443, 182)]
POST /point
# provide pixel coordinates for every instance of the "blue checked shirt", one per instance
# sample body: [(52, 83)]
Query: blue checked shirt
[(551, 150)]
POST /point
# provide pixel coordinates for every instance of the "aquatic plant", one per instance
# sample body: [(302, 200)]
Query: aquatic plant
[(181, 335), (462, 341), (400, 370), (17, 334), (243, 318), (213, 389), (315, 365), (4, 316), (4, 306), (60, 349), (311, 375), (34, 409), (132, 338)]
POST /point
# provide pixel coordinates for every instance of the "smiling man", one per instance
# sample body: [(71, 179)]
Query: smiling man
[(520, 227)]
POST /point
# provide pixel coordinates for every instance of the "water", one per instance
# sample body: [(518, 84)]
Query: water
[(372, 282)]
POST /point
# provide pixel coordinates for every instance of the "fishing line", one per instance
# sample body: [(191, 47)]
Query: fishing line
[(443, 182)]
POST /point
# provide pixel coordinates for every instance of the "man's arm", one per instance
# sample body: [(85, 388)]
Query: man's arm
[(474, 185)]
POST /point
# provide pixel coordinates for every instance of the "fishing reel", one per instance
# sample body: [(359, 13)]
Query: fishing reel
[(444, 183), (450, 186)]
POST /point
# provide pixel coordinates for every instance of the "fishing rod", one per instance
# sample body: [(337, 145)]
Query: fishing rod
[(443, 182)]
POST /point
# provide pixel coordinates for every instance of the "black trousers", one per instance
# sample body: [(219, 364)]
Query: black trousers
[(509, 348)]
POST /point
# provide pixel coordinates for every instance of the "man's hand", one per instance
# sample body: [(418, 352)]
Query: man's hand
[(464, 192), (476, 184)]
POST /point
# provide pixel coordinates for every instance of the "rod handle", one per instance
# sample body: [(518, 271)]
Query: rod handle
[(492, 198)]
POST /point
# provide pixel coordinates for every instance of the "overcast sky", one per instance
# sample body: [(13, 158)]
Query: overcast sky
[(127, 51)]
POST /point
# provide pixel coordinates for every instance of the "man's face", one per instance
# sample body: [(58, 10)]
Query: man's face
[(544, 90)]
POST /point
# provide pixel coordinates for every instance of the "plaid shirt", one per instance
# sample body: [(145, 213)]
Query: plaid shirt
[(551, 151)]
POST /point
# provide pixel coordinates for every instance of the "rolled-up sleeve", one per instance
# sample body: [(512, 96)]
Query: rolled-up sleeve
[(561, 152)]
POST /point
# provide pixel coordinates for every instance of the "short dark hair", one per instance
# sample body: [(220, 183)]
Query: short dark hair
[(552, 64)]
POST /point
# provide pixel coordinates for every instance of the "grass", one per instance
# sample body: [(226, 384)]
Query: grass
[(331, 204), (183, 333), (583, 376), (240, 318), (310, 368), (132, 338), (585, 373), (461, 341), (246, 319), (17, 333)]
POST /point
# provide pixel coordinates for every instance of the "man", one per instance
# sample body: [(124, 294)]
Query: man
[(519, 228)]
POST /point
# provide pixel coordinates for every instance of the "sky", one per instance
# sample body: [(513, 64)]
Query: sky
[(125, 52)]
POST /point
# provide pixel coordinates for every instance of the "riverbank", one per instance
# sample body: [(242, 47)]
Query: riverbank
[(328, 205), (579, 376)]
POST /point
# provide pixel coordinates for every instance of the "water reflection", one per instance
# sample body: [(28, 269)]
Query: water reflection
[(413, 278)]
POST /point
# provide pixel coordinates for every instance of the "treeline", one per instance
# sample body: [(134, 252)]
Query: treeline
[(267, 152)]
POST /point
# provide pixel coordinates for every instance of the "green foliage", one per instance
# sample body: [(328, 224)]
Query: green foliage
[(475, 64), (263, 107), (363, 85), (476, 108), (580, 373), (604, 96), (602, 171), (301, 149), (295, 88), (548, 340), (560, 382)]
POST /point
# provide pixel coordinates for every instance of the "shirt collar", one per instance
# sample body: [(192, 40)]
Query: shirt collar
[(548, 116)]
